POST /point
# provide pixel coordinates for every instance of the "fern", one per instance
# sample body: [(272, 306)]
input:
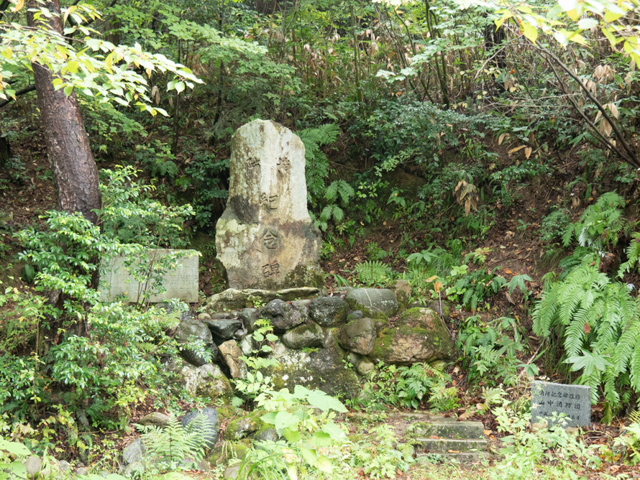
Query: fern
[(339, 189), (175, 447), (317, 163), (372, 272), (600, 225), (600, 322)]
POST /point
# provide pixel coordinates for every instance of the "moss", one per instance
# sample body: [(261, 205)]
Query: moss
[(416, 329), (229, 450), (245, 426)]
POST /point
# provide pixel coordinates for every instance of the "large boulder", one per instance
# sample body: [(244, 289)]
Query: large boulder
[(191, 330), (206, 380), (265, 238), (373, 302), (304, 336), (205, 421), (418, 335), (328, 311), (283, 315), (321, 369), (358, 336)]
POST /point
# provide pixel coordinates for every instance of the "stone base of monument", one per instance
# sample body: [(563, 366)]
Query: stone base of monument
[(318, 336)]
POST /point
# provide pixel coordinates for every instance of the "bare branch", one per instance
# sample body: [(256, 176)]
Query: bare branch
[(630, 156)]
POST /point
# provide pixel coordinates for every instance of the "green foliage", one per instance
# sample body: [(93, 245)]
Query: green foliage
[(383, 455), (407, 387), (373, 272), (542, 453), (598, 322), (420, 380), (130, 215), (317, 169), (601, 224), (312, 442), (89, 70), (338, 195), (11, 456), (553, 226), (174, 447), (490, 350)]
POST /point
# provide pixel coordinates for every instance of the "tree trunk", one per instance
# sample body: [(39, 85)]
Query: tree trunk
[(74, 170)]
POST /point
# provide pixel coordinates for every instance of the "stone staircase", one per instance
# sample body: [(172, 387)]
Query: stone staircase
[(431, 434)]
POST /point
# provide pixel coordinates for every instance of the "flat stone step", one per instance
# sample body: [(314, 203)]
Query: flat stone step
[(445, 445), (447, 429), (461, 457)]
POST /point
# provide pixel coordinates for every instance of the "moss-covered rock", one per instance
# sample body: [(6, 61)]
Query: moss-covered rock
[(418, 335), (323, 368), (402, 290), (245, 426), (304, 336)]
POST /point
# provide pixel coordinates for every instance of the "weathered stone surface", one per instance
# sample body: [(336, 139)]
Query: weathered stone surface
[(328, 311), (33, 465), (358, 336), (266, 435), (418, 335), (304, 336), (192, 330), (133, 452), (402, 290), (206, 380), (322, 369), (245, 426), (373, 302), (265, 237), (283, 315), (248, 317), (223, 328), (231, 354), (205, 421), (156, 418), (213, 383), (355, 315), (365, 367), (180, 281), (233, 299)]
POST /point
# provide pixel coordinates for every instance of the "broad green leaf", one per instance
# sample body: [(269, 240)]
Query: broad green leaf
[(309, 455), (610, 17), (269, 418), (324, 464), (14, 448), (292, 436), (530, 32), (325, 402), (573, 15), (285, 420), (334, 431), (587, 23)]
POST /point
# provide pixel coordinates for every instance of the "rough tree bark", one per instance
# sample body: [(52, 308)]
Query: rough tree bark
[(74, 169)]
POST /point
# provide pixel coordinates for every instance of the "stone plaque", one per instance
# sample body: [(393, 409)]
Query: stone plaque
[(265, 239), (179, 282), (572, 400)]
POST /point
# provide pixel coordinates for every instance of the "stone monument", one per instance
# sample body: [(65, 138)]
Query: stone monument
[(573, 400), (265, 238)]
